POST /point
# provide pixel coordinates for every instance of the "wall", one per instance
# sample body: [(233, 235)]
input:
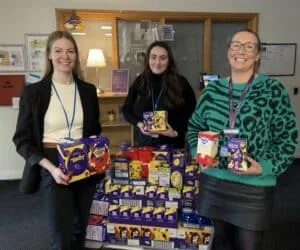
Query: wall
[(38, 16)]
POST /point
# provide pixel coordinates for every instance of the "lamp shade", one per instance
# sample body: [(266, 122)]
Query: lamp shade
[(96, 58)]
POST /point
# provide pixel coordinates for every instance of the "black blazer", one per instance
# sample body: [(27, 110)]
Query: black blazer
[(28, 136)]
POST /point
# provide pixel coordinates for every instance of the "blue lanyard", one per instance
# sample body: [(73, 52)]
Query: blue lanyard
[(63, 108), (155, 103), (233, 112)]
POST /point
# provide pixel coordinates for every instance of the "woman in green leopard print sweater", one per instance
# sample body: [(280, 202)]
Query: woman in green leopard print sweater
[(240, 203)]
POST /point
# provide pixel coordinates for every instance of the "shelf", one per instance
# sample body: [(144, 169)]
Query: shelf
[(109, 94), (93, 244), (116, 123), (104, 245), (118, 131)]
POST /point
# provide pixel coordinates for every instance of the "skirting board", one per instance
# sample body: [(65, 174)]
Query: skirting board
[(10, 174)]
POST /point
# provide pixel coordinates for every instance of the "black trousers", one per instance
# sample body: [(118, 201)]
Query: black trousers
[(67, 209)]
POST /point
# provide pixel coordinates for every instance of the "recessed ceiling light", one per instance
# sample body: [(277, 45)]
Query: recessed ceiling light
[(106, 27), (78, 33), (108, 34)]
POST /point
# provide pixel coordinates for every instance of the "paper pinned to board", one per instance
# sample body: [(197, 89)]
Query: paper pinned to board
[(15, 102), (33, 77)]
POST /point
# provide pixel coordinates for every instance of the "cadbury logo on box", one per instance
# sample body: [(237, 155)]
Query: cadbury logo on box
[(233, 145), (77, 158)]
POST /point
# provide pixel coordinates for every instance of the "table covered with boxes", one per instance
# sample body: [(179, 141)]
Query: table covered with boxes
[(148, 200)]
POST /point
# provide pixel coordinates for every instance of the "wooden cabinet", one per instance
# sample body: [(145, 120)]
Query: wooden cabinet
[(115, 128)]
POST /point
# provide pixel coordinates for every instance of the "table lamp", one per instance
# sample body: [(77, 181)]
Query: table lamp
[(96, 59)]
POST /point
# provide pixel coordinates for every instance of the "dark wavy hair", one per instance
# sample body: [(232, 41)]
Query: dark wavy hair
[(55, 35), (170, 77)]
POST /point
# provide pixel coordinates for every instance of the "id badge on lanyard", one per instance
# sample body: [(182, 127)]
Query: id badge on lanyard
[(233, 112)]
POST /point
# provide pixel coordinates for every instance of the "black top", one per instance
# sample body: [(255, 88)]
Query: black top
[(137, 103)]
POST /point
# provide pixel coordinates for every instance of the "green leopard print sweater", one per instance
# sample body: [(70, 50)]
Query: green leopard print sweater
[(266, 119)]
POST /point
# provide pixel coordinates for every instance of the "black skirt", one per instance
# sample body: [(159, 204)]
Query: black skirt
[(245, 206)]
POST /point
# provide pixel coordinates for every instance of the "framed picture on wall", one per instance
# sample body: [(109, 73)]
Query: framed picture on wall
[(119, 80), (35, 45), (12, 58)]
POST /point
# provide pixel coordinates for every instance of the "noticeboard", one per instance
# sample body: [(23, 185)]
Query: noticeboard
[(11, 87), (278, 59)]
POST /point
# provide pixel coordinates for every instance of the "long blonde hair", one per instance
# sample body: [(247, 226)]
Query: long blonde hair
[(51, 39)]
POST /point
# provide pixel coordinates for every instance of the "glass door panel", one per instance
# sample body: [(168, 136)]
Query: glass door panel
[(221, 33), (188, 49), (133, 39)]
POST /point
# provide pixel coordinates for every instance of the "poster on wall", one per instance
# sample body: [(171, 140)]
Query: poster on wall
[(11, 87), (119, 80), (167, 32), (35, 45), (12, 58)]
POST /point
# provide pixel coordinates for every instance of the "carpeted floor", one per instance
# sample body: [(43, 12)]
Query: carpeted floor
[(23, 227), (22, 223)]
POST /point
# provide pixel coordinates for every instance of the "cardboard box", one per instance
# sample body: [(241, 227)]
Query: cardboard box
[(158, 237), (194, 239), (123, 234), (98, 154), (84, 157), (207, 147), (96, 229), (237, 150), (155, 121), (73, 159)]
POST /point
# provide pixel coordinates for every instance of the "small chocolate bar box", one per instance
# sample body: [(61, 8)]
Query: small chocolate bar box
[(123, 234), (163, 153), (155, 121), (165, 237), (136, 214), (178, 158), (121, 167), (148, 122), (135, 169), (237, 150), (194, 238), (176, 177), (96, 229)]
